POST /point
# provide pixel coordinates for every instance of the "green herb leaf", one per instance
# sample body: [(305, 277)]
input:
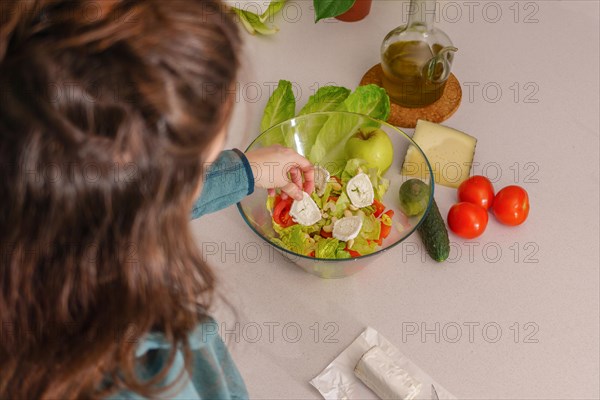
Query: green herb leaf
[(274, 7), (253, 24), (331, 8)]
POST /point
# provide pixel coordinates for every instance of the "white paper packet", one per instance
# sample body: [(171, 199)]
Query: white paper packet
[(338, 382)]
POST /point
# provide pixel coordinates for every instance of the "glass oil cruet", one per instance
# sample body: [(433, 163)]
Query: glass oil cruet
[(417, 58)]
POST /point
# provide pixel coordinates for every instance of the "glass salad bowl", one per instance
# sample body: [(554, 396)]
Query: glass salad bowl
[(322, 138)]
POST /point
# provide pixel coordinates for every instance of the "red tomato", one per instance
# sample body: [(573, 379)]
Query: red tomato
[(385, 231), (326, 234), (477, 190), (467, 220), (333, 198), (311, 254), (379, 208), (511, 205), (352, 253), (281, 213)]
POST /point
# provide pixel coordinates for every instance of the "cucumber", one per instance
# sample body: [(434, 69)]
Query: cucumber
[(432, 230), (434, 234)]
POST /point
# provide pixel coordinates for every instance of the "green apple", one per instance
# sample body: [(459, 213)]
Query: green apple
[(372, 145)]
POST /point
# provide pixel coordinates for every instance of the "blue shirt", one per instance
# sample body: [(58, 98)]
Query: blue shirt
[(214, 375)]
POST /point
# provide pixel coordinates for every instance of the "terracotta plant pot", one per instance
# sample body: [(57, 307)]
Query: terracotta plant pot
[(358, 11)]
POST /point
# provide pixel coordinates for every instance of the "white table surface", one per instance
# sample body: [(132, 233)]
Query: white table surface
[(538, 283)]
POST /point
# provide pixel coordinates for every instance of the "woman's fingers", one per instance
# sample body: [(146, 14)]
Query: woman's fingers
[(293, 191), (303, 169), (293, 173), (296, 176), (309, 179)]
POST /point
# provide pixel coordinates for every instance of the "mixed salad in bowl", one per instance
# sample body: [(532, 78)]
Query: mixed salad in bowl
[(344, 218)]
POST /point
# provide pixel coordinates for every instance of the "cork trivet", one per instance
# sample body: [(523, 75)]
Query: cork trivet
[(405, 117)]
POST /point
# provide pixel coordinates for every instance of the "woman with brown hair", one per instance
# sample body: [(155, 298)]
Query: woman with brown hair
[(107, 138)]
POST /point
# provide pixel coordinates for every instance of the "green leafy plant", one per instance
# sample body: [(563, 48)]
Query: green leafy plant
[(331, 8), (255, 23), (260, 24)]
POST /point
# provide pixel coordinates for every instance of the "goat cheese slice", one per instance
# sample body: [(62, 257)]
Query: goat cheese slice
[(321, 178), (360, 191), (385, 377), (347, 228), (305, 211)]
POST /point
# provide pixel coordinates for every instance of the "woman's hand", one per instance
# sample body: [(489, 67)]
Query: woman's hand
[(278, 167)]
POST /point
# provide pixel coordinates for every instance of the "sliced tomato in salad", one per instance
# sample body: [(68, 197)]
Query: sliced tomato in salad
[(352, 253), (326, 235), (379, 208), (333, 198), (281, 212)]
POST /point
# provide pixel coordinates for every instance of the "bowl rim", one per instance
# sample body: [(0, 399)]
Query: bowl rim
[(362, 257)]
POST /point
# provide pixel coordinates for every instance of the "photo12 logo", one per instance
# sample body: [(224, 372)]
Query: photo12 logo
[(471, 332), (271, 332), (490, 12)]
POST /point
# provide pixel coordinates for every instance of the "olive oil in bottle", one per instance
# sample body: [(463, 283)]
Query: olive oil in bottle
[(417, 58), (405, 77)]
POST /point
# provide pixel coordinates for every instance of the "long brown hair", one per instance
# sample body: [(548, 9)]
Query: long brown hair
[(107, 111)]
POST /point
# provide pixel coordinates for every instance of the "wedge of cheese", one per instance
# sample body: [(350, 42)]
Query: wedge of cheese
[(450, 153)]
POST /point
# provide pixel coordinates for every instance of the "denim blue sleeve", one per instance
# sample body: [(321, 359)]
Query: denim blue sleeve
[(228, 180), (213, 374)]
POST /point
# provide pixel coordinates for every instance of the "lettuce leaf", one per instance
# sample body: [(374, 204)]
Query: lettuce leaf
[(270, 203), (370, 100), (329, 147), (296, 238), (327, 248), (371, 228), (380, 184), (351, 169), (341, 253), (341, 204), (362, 246), (281, 106), (327, 98)]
